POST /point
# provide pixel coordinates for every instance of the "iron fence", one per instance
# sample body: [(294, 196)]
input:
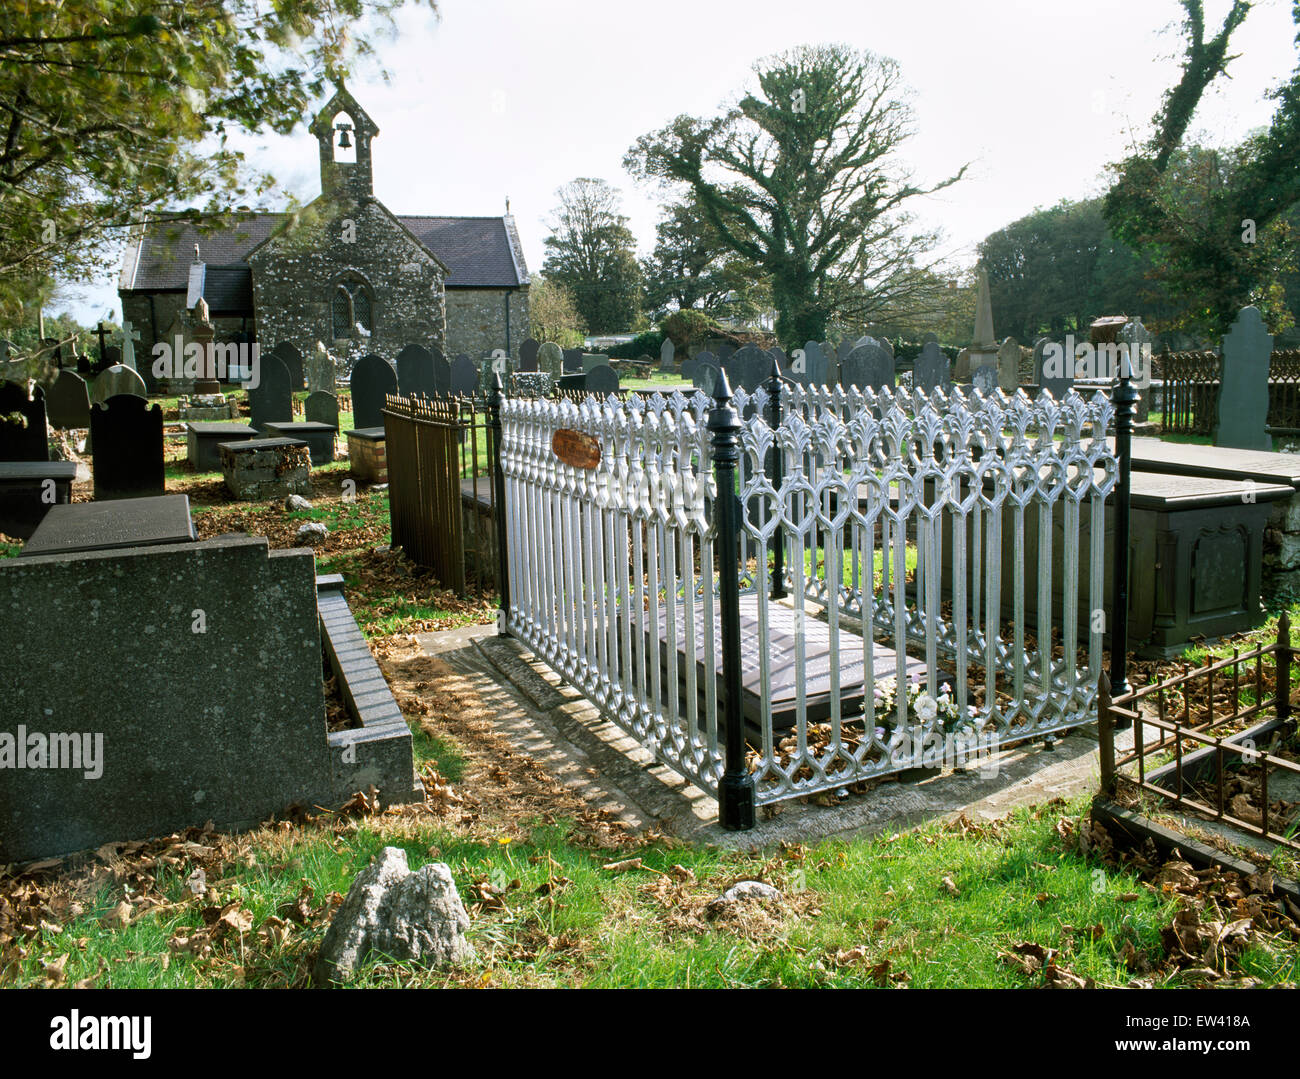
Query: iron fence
[(1191, 391), (1202, 738), (728, 579)]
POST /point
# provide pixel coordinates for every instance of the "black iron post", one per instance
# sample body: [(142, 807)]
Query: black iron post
[(776, 475), (1125, 399), (497, 398), (736, 792), (1106, 736), (1282, 687)]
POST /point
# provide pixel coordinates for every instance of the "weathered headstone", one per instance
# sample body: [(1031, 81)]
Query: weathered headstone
[(573, 361), (528, 349), (749, 367), (724, 353), (985, 379), (666, 354), (1243, 391), (464, 375), (867, 366), (320, 371), (128, 437), (321, 407), (705, 375), (23, 436), (810, 367), (1138, 339), (550, 358), (116, 381), (932, 370), (441, 371), (272, 398), (688, 366), (961, 371), (67, 403), (292, 359), (592, 360), (372, 380), (415, 375), (1009, 365), (531, 384)]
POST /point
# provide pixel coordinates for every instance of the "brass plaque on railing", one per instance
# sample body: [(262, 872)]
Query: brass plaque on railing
[(575, 449)]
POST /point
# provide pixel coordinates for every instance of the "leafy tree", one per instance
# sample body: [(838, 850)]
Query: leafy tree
[(1213, 222), (801, 179), (592, 253), (1055, 270), (110, 112), (692, 267), (552, 314)]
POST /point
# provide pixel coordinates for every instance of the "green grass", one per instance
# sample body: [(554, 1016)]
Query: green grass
[(885, 896)]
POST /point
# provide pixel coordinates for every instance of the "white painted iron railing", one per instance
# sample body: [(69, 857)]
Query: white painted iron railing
[(613, 569)]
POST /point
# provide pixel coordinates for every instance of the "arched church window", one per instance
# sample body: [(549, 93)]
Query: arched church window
[(350, 310)]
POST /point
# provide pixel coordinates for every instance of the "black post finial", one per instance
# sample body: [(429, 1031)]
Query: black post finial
[(1125, 399), (736, 794)]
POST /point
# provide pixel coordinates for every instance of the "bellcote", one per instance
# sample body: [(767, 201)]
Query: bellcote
[(344, 132)]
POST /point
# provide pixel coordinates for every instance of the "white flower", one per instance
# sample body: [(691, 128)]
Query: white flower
[(926, 708)]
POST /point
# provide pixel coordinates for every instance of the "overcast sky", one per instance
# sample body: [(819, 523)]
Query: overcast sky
[(516, 97)]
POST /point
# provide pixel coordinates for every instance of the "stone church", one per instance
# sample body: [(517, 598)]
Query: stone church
[(344, 270)]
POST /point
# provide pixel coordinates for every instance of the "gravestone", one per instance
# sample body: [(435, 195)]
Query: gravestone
[(961, 371), (288, 355), (203, 441), (602, 380), (1057, 383), (724, 353), (23, 436), (705, 375), (68, 402), (320, 371), (550, 358), (985, 379), (1009, 365), (885, 344), (688, 366), (810, 369), (1243, 391), (531, 384), (932, 370), (749, 367), (464, 375), (832, 365), (372, 380), (272, 398), (441, 371), (112, 356), (321, 407), (573, 361), (592, 360), (128, 437), (867, 366), (528, 349), (415, 372), (667, 352), (116, 381)]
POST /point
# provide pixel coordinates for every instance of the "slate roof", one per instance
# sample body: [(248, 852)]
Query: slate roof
[(481, 252)]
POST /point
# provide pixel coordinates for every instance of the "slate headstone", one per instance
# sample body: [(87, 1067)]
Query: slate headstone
[(749, 367), (321, 407), (528, 349), (128, 437), (441, 371), (725, 351), (550, 358), (602, 380), (688, 367), (293, 363), (810, 368), (1056, 382), (271, 400), (1243, 391), (415, 374), (932, 370), (23, 435), (592, 360), (985, 379), (667, 352), (867, 366), (372, 380), (67, 402), (706, 374), (116, 381), (573, 361), (464, 375)]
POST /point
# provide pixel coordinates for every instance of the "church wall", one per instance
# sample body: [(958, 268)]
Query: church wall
[(476, 321)]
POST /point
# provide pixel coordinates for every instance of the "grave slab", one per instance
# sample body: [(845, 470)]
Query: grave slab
[(102, 526), (367, 454), (25, 494), (263, 468), (318, 436), (203, 440)]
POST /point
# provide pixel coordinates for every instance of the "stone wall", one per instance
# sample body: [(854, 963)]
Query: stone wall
[(476, 320), (1282, 545), (295, 277)]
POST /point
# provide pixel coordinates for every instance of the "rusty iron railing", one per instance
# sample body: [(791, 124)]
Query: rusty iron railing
[(1198, 722), (1191, 391)]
